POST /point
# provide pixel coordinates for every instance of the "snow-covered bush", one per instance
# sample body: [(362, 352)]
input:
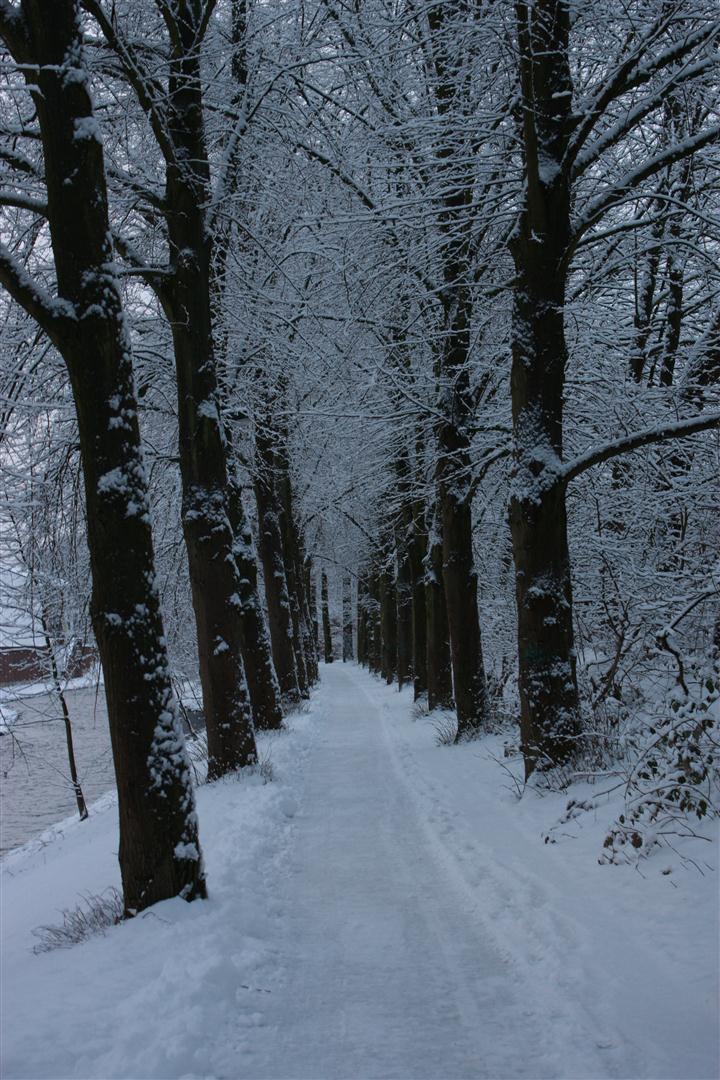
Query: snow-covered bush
[(675, 781)]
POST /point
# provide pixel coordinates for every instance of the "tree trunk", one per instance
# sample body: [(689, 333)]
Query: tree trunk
[(439, 664), (347, 642), (291, 557), (549, 706), (455, 404), (262, 681), (327, 632), (388, 626), (404, 597), (270, 546), (362, 649), (418, 552), (311, 591), (159, 850)]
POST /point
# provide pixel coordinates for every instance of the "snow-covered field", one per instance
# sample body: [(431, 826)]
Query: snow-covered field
[(385, 908)]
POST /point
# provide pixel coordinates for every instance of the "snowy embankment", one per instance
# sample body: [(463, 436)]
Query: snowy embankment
[(384, 908)]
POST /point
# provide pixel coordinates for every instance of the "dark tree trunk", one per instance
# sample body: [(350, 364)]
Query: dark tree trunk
[(327, 631), (403, 535), (439, 664), (291, 557), (159, 850), (262, 681), (418, 552), (362, 649), (311, 592), (455, 403), (347, 641), (374, 623), (306, 623), (549, 704), (270, 545), (388, 625)]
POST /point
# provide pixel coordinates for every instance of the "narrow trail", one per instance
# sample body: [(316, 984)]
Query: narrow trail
[(390, 971)]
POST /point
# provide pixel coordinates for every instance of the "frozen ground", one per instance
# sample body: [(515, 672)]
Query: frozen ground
[(385, 908)]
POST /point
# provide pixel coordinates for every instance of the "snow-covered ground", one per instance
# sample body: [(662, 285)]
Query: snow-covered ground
[(384, 908)]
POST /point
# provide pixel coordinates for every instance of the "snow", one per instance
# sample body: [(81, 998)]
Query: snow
[(384, 908)]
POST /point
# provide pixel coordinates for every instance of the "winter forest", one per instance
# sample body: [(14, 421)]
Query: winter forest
[(359, 459)]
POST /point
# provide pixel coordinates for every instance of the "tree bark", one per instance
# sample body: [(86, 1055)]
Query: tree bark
[(439, 663), (374, 621), (455, 404), (311, 592), (159, 849), (388, 625), (209, 540), (549, 705), (270, 545), (262, 681), (347, 644), (418, 552), (362, 649), (291, 556), (327, 631), (404, 599)]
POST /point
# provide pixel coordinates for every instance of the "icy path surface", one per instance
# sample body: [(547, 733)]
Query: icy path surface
[(384, 909), (392, 972)]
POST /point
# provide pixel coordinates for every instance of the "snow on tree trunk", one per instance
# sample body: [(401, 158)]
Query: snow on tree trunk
[(203, 453), (549, 706)]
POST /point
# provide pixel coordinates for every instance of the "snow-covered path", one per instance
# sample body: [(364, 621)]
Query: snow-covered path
[(391, 974), (386, 908)]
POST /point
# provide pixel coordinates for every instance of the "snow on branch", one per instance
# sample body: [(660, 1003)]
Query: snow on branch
[(681, 429), (51, 314), (632, 179)]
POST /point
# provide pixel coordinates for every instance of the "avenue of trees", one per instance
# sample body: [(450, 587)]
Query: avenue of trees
[(398, 313)]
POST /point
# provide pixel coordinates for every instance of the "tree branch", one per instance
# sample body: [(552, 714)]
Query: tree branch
[(680, 429), (54, 316)]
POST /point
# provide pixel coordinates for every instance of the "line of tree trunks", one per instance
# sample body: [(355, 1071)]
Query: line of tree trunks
[(186, 294), (159, 849), (263, 686), (382, 613)]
